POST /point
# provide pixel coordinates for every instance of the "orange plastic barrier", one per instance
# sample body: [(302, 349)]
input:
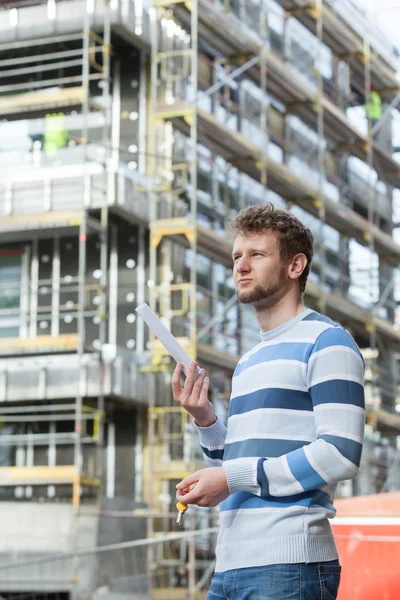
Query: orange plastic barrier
[(367, 533)]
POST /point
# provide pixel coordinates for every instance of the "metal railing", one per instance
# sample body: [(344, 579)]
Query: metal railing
[(157, 567)]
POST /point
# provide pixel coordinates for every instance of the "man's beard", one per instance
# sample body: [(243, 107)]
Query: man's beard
[(266, 296)]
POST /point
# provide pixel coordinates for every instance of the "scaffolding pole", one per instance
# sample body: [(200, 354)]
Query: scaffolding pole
[(173, 76), (371, 328), (321, 154), (193, 266), (153, 211), (108, 199), (264, 33)]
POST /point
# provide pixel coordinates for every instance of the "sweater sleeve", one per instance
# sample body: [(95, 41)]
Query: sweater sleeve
[(335, 382), (212, 442)]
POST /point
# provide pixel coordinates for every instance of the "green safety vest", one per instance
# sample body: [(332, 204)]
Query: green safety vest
[(55, 136), (373, 109)]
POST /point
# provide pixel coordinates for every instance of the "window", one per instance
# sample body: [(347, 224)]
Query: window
[(10, 284)]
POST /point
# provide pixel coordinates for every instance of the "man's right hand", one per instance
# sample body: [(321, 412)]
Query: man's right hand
[(193, 397)]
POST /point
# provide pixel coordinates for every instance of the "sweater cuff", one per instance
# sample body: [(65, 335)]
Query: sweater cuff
[(213, 436), (242, 476)]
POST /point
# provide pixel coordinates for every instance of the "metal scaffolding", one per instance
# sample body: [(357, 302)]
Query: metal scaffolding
[(86, 60)]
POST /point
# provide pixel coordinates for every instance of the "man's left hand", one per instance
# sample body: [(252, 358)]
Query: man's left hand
[(210, 487)]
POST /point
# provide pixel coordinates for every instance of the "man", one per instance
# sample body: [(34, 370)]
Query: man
[(373, 107), (295, 426)]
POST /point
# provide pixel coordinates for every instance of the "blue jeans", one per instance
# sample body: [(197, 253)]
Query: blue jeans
[(313, 581)]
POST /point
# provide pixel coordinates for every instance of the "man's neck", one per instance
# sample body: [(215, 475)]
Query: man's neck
[(284, 310)]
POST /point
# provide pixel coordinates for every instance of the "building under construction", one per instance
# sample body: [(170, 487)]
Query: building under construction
[(131, 131)]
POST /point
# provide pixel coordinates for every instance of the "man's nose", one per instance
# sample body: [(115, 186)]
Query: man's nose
[(242, 265)]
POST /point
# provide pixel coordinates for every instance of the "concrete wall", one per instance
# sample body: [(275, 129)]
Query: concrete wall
[(36, 532), (35, 527)]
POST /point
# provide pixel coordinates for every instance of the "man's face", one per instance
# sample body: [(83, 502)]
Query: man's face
[(259, 275)]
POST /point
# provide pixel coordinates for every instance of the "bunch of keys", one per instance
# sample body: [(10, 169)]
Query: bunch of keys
[(181, 508)]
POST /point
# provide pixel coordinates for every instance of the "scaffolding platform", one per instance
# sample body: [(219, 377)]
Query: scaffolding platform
[(59, 475), (15, 228), (349, 314), (43, 344), (54, 99), (209, 242), (56, 197), (225, 32), (345, 42), (49, 370), (209, 355), (242, 153), (13, 476)]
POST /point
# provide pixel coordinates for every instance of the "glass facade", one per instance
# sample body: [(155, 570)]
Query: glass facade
[(10, 293)]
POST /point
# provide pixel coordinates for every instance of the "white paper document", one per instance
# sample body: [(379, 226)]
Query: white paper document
[(165, 337)]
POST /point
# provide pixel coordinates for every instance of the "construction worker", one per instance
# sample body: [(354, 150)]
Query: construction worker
[(373, 108), (295, 426), (55, 136)]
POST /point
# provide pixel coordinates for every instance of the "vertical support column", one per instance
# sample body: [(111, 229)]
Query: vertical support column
[(25, 297), (387, 365), (150, 492), (20, 461), (104, 275), (214, 300), (111, 118), (110, 484), (286, 38), (153, 213), (344, 265), (113, 190), (321, 156), (81, 341), (344, 250), (113, 288), (193, 269), (116, 114), (55, 289), (286, 54), (102, 335), (111, 143), (150, 557), (81, 330), (30, 458), (142, 150), (81, 326), (152, 131), (214, 200), (141, 289), (264, 33), (52, 455), (139, 458), (193, 170), (371, 328), (34, 289), (106, 50), (85, 82)]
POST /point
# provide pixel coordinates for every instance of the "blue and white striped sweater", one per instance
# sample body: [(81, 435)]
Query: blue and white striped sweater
[(295, 429)]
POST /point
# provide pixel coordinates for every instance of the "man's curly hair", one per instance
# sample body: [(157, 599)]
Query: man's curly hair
[(293, 237)]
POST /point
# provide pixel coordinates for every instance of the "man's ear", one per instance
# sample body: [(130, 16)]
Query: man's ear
[(297, 266)]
